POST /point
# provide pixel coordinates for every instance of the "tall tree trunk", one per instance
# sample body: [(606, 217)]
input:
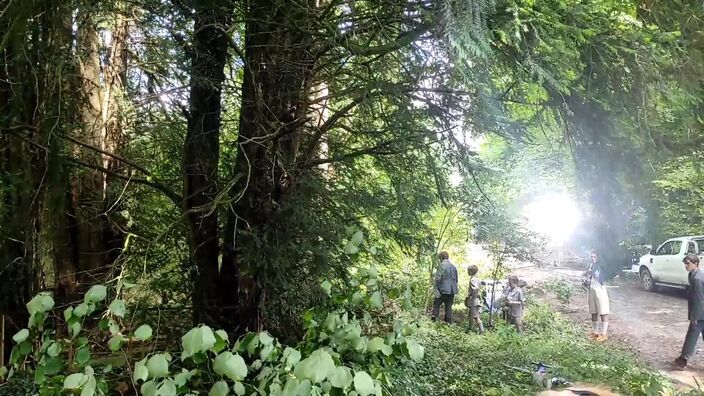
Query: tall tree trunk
[(29, 103), (278, 71), (114, 224), (87, 185), (214, 297), (88, 237)]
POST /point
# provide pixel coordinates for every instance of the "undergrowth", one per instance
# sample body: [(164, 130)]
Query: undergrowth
[(458, 362)]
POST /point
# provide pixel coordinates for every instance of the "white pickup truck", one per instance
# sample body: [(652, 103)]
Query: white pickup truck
[(664, 265)]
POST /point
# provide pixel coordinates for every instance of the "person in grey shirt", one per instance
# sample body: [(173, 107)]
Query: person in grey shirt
[(472, 301), (445, 287), (695, 309), (515, 299)]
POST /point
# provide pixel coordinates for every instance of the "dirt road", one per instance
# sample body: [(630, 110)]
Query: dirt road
[(653, 324)]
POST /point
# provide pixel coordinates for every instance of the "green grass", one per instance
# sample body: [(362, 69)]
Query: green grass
[(458, 362)]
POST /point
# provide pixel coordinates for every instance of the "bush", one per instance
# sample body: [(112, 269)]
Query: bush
[(563, 290), (19, 386), (345, 350)]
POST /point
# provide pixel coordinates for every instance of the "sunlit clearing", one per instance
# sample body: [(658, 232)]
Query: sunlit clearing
[(554, 215)]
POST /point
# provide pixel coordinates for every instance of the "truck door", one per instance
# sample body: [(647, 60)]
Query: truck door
[(674, 271), (658, 267), (681, 273)]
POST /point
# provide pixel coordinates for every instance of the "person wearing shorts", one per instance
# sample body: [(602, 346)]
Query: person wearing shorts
[(472, 301), (598, 300)]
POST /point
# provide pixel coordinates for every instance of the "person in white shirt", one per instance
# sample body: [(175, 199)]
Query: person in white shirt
[(598, 300)]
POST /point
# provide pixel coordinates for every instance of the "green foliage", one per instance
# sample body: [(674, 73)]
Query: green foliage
[(563, 290), (678, 196), (346, 350), (461, 363)]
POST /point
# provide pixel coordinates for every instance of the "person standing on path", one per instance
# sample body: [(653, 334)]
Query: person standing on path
[(598, 300), (515, 299), (445, 286), (695, 309), (473, 302)]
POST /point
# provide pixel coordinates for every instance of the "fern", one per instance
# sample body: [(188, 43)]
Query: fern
[(467, 27)]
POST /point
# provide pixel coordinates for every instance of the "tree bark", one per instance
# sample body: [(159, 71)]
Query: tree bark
[(88, 235), (115, 224), (278, 73), (214, 297), (87, 185), (29, 103)]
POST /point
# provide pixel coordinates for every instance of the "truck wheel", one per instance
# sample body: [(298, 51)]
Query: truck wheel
[(647, 280)]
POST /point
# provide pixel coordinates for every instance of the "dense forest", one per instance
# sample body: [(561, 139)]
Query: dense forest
[(267, 166)]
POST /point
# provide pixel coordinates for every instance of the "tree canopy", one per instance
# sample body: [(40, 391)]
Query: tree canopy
[(229, 156)]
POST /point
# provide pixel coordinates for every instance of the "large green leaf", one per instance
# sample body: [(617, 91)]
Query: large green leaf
[(89, 387), (140, 371), (115, 342), (341, 378), (239, 389), (326, 286), (291, 356), (81, 310), (230, 365), (375, 344), (54, 349), (143, 333), (183, 377), (82, 355), (53, 365), (75, 381), (74, 328), (363, 384), (20, 336), (118, 308), (219, 388), (198, 339), (351, 248), (96, 294), (68, 312), (357, 238), (415, 350), (167, 388), (375, 300), (148, 388), (316, 367), (265, 338), (158, 366), (42, 302)]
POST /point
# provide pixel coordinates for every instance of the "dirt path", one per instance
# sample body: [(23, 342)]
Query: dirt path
[(653, 324)]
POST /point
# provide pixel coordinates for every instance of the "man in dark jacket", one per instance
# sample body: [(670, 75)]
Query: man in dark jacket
[(445, 287), (695, 309)]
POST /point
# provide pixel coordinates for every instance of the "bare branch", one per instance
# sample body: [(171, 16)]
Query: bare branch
[(175, 198), (109, 154)]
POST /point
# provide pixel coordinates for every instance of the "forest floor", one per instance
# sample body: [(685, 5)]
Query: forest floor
[(651, 324)]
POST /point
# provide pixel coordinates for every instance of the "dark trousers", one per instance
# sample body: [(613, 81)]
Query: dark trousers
[(690, 340), (447, 300)]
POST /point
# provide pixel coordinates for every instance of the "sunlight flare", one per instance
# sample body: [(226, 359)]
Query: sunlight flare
[(554, 215)]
